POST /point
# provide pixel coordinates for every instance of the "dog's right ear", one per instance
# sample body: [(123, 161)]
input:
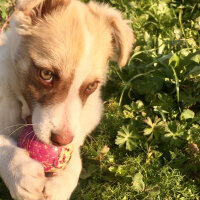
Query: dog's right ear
[(29, 12)]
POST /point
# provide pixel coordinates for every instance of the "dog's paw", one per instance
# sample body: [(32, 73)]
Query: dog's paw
[(57, 188), (26, 179)]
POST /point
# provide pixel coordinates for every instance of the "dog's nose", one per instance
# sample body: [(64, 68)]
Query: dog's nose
[(61, 139)]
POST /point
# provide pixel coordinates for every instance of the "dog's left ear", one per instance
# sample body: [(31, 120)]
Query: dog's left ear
[(122, 34)]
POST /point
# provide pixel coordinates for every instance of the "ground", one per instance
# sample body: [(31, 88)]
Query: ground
[(147, 145)]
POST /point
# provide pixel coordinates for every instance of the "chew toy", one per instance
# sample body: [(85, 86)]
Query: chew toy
[(51, 157)]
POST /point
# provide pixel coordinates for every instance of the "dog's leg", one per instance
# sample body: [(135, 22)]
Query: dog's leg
[(23, 176), (61, 186)]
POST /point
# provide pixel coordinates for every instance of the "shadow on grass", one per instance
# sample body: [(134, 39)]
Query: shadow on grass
[(4, 193)]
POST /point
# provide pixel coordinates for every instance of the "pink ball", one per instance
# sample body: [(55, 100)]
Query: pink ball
[(51, 157)]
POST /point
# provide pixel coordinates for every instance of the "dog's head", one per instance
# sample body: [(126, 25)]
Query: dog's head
[(61, 61)]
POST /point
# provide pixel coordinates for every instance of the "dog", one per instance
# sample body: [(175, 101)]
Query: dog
[(53, 62)]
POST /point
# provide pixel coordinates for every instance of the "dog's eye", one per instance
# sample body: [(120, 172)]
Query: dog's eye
[(46, 75), (91, 87)]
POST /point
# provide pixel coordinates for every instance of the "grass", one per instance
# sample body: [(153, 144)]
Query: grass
[(147, 145)]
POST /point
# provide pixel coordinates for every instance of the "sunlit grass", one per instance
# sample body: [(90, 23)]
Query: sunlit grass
[(147, 145)]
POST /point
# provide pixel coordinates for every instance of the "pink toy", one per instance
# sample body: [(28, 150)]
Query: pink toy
[(51, 157)]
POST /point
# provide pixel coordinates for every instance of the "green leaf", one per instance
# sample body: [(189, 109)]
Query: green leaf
[(86, 173), (148, 121), (126, 137), (128, 114), (138, 183), (187, 98), (163, 102), (154, 191), (146, 36), (148, 131), (187, 114), (147, 85), (174, 60), (195, 72)]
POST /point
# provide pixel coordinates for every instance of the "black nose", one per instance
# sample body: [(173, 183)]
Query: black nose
[(61, 140)]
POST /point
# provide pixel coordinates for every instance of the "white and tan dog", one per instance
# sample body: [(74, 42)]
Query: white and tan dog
[(53, 62)]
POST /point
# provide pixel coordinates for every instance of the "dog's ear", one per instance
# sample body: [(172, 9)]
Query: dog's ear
[(122, 34), (29, 12)]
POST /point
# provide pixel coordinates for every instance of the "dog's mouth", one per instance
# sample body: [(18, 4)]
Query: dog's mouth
[(55, 139), (28, 120)]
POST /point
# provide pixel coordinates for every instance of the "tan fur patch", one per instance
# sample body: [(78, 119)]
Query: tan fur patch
[(56, 44), (122, 34), (67, 37), (45, 95), (39, 8)]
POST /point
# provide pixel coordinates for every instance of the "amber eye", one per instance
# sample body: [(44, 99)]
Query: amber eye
[(46, 75), (92, 87)]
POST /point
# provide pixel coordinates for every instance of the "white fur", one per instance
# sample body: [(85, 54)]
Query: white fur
[(70, 113), (55, 188), (23, 176), (14, 162), (26, 179)]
